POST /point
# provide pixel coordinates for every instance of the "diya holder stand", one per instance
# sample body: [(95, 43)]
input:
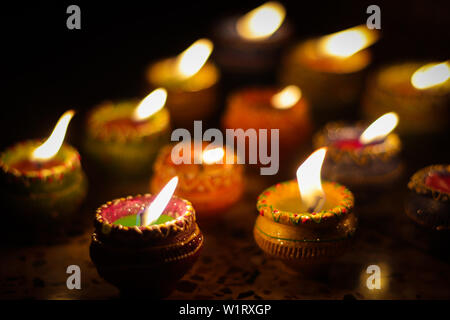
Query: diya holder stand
[(305, 242), (145, 261)]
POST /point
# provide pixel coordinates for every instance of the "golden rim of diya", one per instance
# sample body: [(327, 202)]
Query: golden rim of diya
[(417, 182), (267, 199), (160, 231), (69, 156), (385, 151), (109, 111)]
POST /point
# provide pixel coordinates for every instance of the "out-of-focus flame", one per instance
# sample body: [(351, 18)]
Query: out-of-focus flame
[(150, 104), (431, 75), (261, 22), (191, 60), (51, 146), (156, 208), (346, 43), (213, 155), (380, 128), (309, 182), (286, 98)]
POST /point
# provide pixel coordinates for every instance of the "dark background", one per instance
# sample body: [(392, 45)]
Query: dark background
[(48, 69)]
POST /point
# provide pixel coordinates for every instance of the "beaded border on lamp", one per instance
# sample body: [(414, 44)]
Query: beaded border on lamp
[(22, 150), (417, 182), (160, 231), (265, 204), (157, 123)]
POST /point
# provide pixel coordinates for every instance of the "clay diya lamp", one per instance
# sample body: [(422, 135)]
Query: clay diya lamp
[(365, 159), (191, 83), (144, 244), (209, 177), (418, 93), (250, 44), (306, 223), (428, 200), (271, 108), (43, 182), (330, 71), (123, 138)]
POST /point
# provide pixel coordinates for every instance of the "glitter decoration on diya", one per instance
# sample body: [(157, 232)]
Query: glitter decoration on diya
[(365, 159), (191, 83), (306, 223), (43, 182), (418, 92), (251, 44), (428, 200), (330, 70), (124, 138), (270, 108), (212, 184), (144, 244)]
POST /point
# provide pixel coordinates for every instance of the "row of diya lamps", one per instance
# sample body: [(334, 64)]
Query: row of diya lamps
[(144, 244)]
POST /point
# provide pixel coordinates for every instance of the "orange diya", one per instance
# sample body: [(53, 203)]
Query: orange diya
[(43, 182), (210, 183), (123, 138), (191, 82), (271, 108), (330, 69), (306, 223)]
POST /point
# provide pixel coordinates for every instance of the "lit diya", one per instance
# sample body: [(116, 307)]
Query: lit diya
[(330, 69), (271, 108), (124, 138), (144, 244), (363, 158), (43, 182), (306, 223), (428, 201), (191, 82), (208, 178), (419, 93), (251, 43)]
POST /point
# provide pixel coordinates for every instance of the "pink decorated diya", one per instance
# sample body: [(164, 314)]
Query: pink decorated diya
[(145, 259), (271, 108), (428, 200), (212, 185)]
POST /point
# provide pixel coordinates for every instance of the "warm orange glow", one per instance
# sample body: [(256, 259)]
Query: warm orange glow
[(380, 128), (191, 60), (430, 75), (150, 104), (309, 182), (286, 98), (213, 155), (156, 208), (346, 43), (51, 146), (262, 22)]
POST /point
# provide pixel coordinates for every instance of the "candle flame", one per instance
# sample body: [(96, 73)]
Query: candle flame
[(191, 60), (261, 22), (51, 146), (286, 98), (346, 43), (159, 204), (150, 104), (380, 128), (431, 75), (309, 182), (213, 155)]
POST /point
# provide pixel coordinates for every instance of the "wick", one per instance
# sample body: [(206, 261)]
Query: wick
[(315, 205), (139, 218)]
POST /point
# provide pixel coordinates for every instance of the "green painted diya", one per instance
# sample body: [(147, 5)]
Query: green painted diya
[(120, 146), (42, 194), (304, 241), (145, 261)]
